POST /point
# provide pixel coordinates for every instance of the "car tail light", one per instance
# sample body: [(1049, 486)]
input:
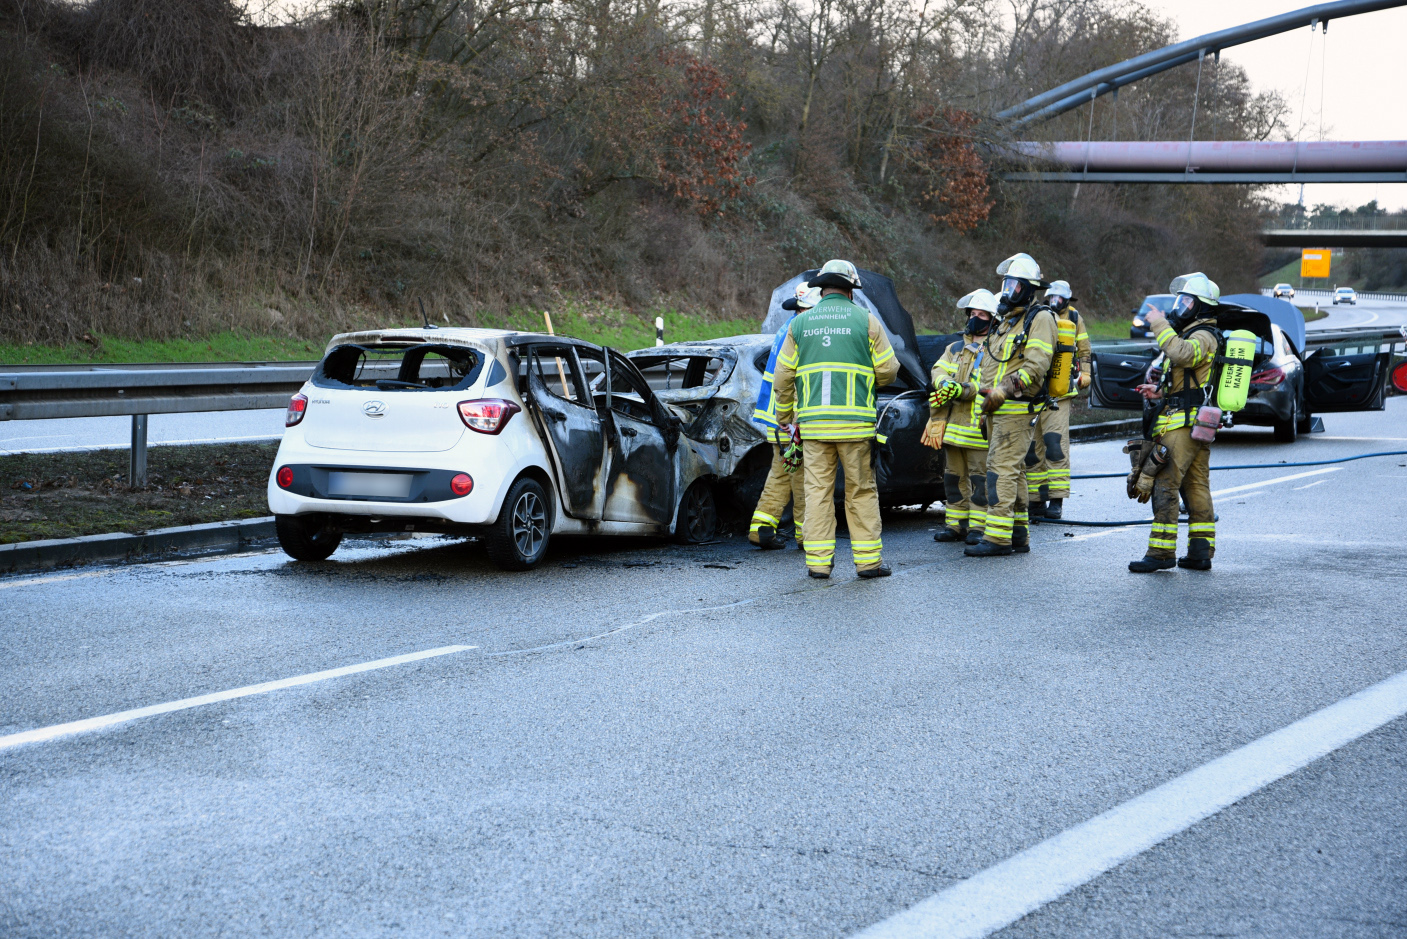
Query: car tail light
[(462, 484), (297, 407), (1399, 378), (284, 476), (1271, 376), (487, 415)]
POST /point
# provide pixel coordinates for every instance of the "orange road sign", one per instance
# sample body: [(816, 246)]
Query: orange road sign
[(1314, 262)]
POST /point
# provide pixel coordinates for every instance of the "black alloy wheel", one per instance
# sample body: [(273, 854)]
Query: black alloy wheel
[(306, 537), (518, 539), (698, 514)]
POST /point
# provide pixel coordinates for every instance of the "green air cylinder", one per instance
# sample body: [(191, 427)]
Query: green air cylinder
[(1235, 381)]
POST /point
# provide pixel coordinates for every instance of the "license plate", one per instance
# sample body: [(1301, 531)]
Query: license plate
[(376, 485)]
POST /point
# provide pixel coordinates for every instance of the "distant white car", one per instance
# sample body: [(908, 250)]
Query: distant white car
[(513, 437), (1345, 295), (1283, 291)]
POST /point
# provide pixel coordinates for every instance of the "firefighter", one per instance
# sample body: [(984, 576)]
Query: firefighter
[(1012, 381), (785, 480), (1189, 340), (833, 360), (1048, 475), (953, 424)]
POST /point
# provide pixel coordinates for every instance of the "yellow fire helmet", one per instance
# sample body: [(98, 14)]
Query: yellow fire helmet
[(1198, 285)]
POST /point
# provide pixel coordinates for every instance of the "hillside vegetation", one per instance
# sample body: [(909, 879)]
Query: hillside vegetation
[(173, 169)]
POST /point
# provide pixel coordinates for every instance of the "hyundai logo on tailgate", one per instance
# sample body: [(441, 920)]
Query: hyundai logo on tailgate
[(374, 409)]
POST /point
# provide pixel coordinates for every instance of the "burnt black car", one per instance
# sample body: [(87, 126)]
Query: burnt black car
[(712, 385)]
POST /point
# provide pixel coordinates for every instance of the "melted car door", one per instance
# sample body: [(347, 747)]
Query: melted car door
[(640, 479), (1352, 382), (569, 422)]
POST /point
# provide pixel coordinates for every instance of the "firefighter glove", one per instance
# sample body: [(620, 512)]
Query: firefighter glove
[(1145, 487), (996, 397), (946, 391), (1085, 380), (933, 433)]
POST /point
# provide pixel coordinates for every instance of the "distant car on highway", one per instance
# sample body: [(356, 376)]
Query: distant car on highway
[(1160, 302), (513, 437), (1288, 385), (1283, 292), (1345, 295)]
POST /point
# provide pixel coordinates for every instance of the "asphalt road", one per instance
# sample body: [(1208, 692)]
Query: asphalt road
[(1366, 312), (656, 740)]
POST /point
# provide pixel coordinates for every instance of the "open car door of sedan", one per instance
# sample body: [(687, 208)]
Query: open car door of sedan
[(1354, 381), (1115, 377)]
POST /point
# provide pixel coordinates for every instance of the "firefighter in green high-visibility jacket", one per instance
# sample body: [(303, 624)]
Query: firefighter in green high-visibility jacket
[(833, 360)]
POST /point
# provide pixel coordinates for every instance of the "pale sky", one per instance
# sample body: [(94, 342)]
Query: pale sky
[(1360, 61)]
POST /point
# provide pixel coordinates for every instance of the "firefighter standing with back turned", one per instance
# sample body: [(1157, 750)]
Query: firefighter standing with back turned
[(1048, 480), (1172, 460), (785, 479), (953, 425), (1012, 381), (833, 360)]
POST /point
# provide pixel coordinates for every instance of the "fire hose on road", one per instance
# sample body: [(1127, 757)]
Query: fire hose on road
[(1238, 466)]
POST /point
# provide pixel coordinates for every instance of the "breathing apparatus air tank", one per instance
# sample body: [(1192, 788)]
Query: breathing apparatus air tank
[(1235, 381), (1062, 364)]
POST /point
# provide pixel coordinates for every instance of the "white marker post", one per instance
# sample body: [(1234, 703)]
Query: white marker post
[(659, 341)]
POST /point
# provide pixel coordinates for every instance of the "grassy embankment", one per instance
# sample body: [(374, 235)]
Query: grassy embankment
[(63, 495)]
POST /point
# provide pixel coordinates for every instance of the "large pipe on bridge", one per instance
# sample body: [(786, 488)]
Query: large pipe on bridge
[(1219, 156), (1102, 81)]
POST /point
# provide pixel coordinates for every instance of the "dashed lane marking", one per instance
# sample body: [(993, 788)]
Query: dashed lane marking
[(1002, 894), (53, 732), (1277, 479)]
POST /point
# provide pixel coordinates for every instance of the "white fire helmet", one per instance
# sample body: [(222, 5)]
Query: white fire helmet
[(979, 299)]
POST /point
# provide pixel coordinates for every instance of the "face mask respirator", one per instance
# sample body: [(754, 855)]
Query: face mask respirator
[(1015, 293), (977, 326)]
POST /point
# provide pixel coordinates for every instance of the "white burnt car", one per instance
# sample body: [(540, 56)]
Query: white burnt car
[(513, 437)]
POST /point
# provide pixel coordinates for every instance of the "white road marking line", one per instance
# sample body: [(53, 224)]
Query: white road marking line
[(1317, 482), (1005, 892), (5, 585), (1277, 479), (43, 734)]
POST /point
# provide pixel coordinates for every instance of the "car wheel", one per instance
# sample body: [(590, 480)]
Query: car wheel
[(698, 514), (1287, 431), (306, 537), (518, 539)]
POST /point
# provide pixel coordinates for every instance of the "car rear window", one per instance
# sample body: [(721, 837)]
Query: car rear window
[(425, 366)]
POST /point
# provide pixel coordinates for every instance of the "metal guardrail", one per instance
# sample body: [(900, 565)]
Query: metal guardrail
[(40, 392)]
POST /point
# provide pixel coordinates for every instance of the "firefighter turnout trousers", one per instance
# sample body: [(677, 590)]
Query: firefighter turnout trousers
[(781, 487), (1048, 463), (1009, 440), (861, 502), (1187, 471), (965, 488)]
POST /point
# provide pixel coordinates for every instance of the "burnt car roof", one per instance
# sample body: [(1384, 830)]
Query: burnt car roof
[(878, 296)]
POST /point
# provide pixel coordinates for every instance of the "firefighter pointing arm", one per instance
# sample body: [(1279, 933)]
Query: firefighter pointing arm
[(833, 360), (1174, 460)]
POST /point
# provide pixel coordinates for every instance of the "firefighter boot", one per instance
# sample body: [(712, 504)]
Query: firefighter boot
[(882, 571), (1147, 565), (952, 534), (1054, 508), (767, 539), (1037, 509), (974, 535), (1199, 556), (1021, 540), (987, 549)]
